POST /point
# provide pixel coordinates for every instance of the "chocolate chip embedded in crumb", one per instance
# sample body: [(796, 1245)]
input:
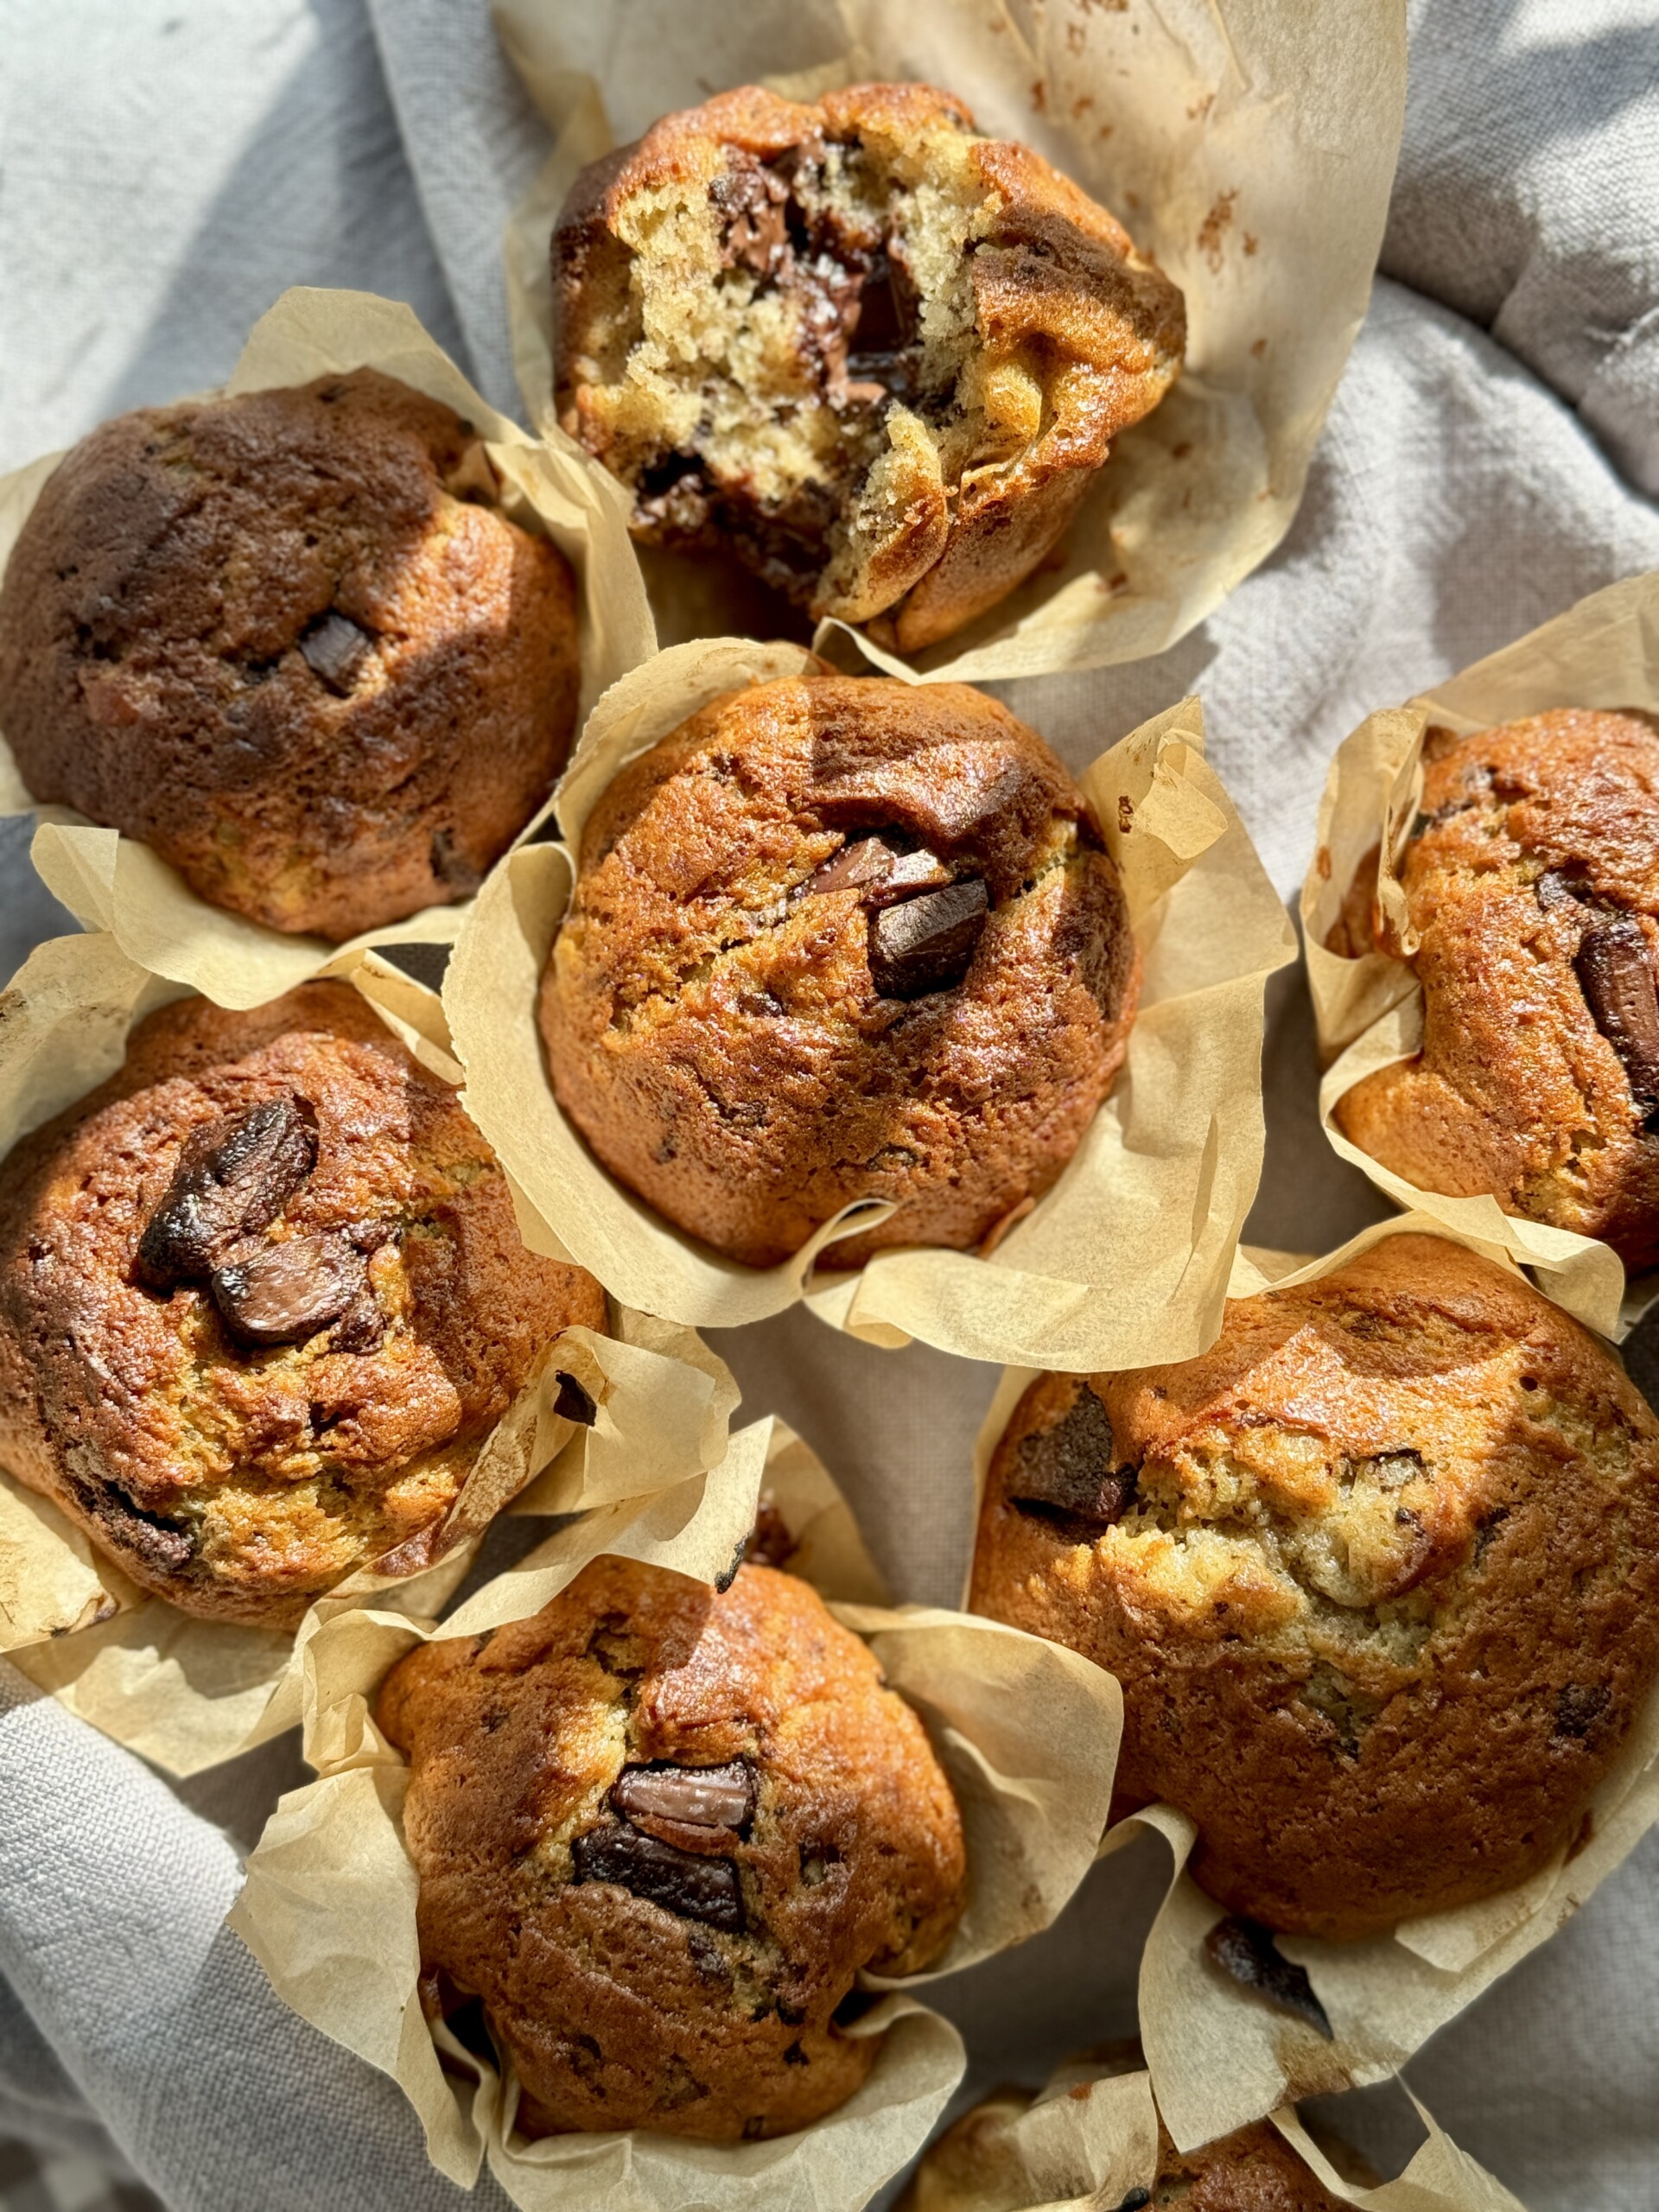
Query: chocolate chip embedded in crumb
[(283, 1293), (1578, 1707), (572, 1402), (926, 943), (336, 649), (1068, 1468), (697, 1889), (1245, 1951), (698, 1797), (1616, 975), (881, 871), (234, 1176)]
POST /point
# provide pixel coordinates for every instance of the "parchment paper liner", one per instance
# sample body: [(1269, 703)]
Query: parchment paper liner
[(1127, 1254), (1602, 652), (1028, 1733), (1221, 2057), (1249, 152), (186, 1693), (1091, 2139), (111, 882)]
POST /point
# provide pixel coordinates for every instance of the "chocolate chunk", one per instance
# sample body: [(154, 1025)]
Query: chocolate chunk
[(1245, 1950), (281, 1294), (750, 200), (698, 1889), (673, 490), (1579, 1706), (881, 870), (572, 1402), (926, 943), (335, 649), (362, 1326), (700, 1797), (1616, 976), (1068, 1470), (233, 1177)]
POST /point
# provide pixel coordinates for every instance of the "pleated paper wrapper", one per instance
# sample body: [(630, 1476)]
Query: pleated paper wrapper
[(1221, 2057), (1128, 1253), (1026, 1731), (1602, 652), (1091, 2139), (1248, 147), (549, 487), (188, 1692)]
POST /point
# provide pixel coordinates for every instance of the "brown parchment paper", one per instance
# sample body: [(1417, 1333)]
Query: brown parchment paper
[(1602, 652), (548, 485), (186, 1693), (1125, 1258), (1090, 2141), (1247, 145), (1027, 1732), (1220, 2058)]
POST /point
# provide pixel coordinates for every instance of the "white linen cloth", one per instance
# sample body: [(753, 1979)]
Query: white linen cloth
[(168, 167)]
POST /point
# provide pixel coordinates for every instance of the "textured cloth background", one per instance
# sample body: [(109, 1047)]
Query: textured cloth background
[(168, 167)]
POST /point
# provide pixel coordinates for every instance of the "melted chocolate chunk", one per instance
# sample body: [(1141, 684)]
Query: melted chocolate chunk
[(1616, 976), (362, 1326), (335, 649), (699, 1798), (1578, 1707), (926, 943), (281, 1294), (751, 199), (233, 1177), (1067, 1470), (1245, 1950), (881, 870), (572, 1402), (697, 1889)]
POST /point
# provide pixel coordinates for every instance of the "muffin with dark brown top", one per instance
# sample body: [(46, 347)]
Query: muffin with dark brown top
[(1378, 1572), (878, 357), (841, 939), (290, 642), (262, 1301), (1532, 881), (988, 2163), (659, 1831)]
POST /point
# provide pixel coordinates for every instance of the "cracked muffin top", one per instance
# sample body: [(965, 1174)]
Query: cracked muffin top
[(1378, 1572), (290, 642), (839, 939), (877, 357), (1532, 881), (660, 1830), (262, 1300)]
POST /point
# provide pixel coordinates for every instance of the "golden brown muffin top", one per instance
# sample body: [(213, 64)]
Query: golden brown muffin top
[(1532, 880), (878, 356), (262, 1297), (289, 640), (838, 938), (1398, 1528), (660, 1830)]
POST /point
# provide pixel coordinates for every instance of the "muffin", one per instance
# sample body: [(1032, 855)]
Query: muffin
[(290, 642), (841, 939), (262, 1300), (875, 355), (1532, 880), (995, 2160), (1378, 1573), (659, 1831)]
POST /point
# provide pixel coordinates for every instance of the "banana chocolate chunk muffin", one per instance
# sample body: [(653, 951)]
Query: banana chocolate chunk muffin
[(659, 1832), (290, 642), (878, 357), (262, 1301), (1001, 2158), (839, 939), (1532, 881), (1378, 1572)]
